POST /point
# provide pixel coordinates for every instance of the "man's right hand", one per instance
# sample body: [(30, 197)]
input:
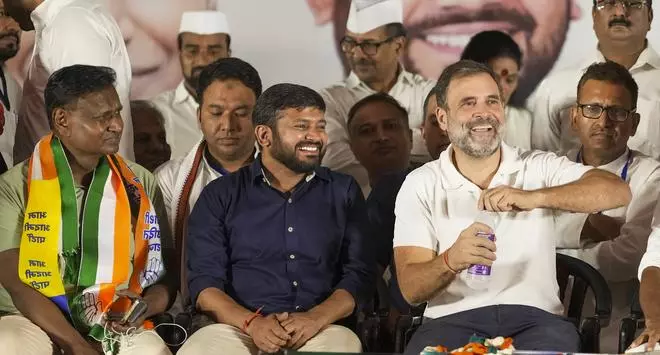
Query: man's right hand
[(267, 333), (470, 249)]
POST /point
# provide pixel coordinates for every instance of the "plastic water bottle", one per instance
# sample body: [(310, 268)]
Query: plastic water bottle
[(478, 276)]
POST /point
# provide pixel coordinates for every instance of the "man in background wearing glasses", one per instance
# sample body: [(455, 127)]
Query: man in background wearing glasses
[(621, 27), (374, 40), (605, 118)]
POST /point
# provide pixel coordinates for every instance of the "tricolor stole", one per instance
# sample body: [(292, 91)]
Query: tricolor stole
[(91, 252)]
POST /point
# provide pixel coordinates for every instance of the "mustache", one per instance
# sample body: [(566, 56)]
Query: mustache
[(362, 61), (597, 131), (491, 12), (619, 21)]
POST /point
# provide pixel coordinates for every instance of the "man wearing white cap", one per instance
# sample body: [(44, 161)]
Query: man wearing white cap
[(204, 37), (374, 40)]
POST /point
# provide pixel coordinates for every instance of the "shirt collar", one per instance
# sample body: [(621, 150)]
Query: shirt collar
[(46, 11), (510, 163), (614, 166), (648, 56), (257, 172), (181, 94), (405, 77), (211, 163)]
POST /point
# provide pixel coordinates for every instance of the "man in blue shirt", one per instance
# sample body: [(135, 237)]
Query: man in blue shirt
[(276, 251)]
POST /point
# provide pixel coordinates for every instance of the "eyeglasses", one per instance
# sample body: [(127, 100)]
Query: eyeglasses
[(616, 114), (368, 48), (627, 4)]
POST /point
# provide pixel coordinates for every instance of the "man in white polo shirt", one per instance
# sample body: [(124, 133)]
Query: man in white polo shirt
[(373, 43), (614, 241), (203, 38), (621, 28), (442, 206)]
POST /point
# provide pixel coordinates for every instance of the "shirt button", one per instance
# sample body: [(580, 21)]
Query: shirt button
[(292, 256), (298, 308), (295, 284), (290, 200), (290, 229)]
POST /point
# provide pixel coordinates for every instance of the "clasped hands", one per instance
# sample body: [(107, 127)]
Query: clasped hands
[(283, 330), (506, 198)]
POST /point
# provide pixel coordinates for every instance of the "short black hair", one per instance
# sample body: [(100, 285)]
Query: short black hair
[(488, 45), (612, 73), (426, 103), (145, 105), (66, 85), (461, 69), (229, 69), (284, 96), (377, 97), (395, 29), (179, 40), (649, 2)]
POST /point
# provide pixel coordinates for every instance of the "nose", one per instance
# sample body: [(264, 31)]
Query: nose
[(204, 58), (604, 120), (381, 135), (116, 124), (620, 8), (228, 123)]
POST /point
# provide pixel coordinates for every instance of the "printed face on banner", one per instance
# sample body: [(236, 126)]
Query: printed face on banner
[(438, 31)]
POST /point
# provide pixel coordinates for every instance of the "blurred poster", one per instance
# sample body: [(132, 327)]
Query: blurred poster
[(296, 40)]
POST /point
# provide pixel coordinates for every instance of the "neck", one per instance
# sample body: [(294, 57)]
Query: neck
[(231, 165), (281, 178), (479, 171), (190, 89), (598, 158), (387, 83), (81, 164), (623, 53)]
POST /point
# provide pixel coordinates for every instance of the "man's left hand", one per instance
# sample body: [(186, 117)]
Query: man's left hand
[(120, 327), (600, 228), (302, 327), (507, 198)]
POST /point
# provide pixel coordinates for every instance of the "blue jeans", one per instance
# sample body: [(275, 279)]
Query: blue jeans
[(531, 329)]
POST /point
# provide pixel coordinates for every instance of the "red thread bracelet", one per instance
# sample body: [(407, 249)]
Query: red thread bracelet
[(252, 317), (445, 257)]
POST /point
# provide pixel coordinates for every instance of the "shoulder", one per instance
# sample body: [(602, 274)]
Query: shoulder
[(15, 178), (164, 98), (647, 167), (420, 81), (147, 179), (79, 14), (519, 113), (168, 171)]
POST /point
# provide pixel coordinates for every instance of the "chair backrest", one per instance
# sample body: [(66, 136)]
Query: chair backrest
[(578, 276)]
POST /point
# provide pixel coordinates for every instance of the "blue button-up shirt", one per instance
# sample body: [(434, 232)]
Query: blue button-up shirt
[(285, 252)]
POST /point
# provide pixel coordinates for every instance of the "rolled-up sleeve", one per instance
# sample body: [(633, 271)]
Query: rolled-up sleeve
[(207, 257), (357, 252), (652, 255)]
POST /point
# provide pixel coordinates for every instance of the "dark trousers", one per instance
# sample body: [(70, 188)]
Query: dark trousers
[(530, 328)]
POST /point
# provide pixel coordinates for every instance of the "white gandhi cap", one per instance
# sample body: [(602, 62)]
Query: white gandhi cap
[(204, 22), (366, 15)]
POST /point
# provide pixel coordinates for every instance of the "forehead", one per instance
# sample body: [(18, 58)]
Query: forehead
[(376, 34), (476, 85), (145, 116), (229, 90), (307, 113), (374, 112), (189, 38), (598, 91), (504, 63), (102, 100)]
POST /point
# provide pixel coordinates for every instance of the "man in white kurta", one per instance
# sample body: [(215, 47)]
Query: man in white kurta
[(622, 39), (203, 38), (229, 89), (68, 32), (612, 241), (373, 43)]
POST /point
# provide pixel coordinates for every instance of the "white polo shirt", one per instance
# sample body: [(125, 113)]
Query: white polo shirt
[(551, 101), (652, 255), (436, 203), (410, 90)]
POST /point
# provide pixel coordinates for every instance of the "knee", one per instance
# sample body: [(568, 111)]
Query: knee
[(342, 339), (20, 336)]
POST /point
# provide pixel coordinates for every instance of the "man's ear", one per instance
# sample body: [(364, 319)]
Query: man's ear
[(635, 123), (441, 116), (263, 135), (400, 44), (60, 122), (574, 118)]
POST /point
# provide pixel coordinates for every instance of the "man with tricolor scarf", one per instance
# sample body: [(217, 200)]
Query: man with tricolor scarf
[(80, 239), (227, 90)]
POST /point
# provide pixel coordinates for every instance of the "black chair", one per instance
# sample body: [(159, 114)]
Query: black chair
[(632, 324), (572, 272)]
